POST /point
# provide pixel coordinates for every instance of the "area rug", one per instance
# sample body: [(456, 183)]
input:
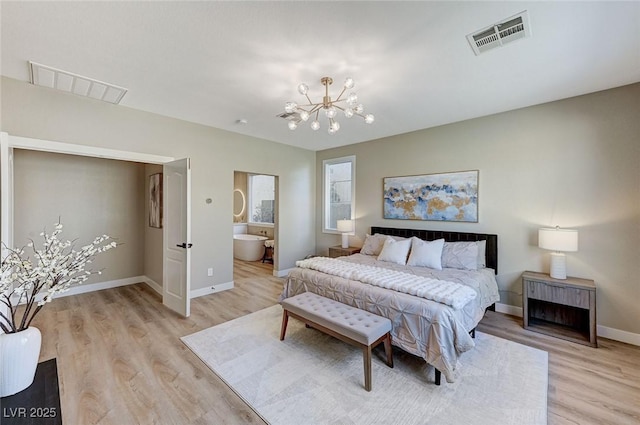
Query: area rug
[(311, 378)]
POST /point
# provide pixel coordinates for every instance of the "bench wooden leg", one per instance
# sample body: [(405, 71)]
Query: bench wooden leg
[(366, 351), (388, 350), (285, 320)]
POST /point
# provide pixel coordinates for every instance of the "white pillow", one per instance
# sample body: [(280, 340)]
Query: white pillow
[(426, 254), (482, 254), (373, 244), (460, 255), (395, 251)]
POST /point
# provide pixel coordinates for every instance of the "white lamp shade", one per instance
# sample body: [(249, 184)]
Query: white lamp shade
[(345, 226), (559, 240)]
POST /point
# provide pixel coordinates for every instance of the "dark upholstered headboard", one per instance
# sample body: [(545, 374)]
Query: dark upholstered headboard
[(430, 235)]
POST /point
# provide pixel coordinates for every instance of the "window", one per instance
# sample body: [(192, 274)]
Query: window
[(339, 176), (261, 199)]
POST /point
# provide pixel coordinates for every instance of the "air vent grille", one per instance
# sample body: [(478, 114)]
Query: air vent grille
[(290, 116), (46, 76), (501, 33)]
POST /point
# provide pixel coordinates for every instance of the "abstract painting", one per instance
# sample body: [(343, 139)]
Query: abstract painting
[(155, 200), (436, 197)]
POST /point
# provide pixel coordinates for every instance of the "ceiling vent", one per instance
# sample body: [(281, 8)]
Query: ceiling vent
[(290, 116), (46, 76), (501, 33)]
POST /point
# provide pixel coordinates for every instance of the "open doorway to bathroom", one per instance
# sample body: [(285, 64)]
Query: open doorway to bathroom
[(255, 224)]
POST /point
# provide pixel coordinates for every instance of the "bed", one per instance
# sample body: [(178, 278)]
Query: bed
[(437, 332)]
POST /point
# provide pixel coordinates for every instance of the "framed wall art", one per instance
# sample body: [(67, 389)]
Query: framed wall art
[(155, 200), (435, 197)]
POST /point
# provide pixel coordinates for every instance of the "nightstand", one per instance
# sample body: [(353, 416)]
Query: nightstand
[(564, 308), (339, 251)]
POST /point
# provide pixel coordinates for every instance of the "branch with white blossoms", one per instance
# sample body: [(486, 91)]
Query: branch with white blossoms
[(52, 269)]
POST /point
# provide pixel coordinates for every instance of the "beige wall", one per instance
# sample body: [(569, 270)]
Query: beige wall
[(91, 197), (573, 163), (41, 113)]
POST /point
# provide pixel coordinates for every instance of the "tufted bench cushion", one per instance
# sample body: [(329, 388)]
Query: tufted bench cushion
[(342, 321)]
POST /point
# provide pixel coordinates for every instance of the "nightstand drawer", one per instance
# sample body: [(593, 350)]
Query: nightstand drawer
[(558, 294)]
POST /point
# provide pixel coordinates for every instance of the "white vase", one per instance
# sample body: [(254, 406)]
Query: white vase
[(19, 353)]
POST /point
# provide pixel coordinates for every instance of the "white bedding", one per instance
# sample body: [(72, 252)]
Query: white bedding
[(450, 293), (429, 329)]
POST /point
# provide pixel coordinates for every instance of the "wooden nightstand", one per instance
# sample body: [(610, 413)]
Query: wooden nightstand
[(339, 251), (562, 308)]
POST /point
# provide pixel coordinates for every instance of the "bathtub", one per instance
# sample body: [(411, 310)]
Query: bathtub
[(248, 247)]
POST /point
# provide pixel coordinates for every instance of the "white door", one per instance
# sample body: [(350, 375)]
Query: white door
[(176, 282), (6, 191), (6, 200)]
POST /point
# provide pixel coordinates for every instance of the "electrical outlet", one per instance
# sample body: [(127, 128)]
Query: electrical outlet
[(210, 271)]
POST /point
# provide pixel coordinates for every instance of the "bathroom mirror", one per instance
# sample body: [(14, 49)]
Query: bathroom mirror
[(239, 203)]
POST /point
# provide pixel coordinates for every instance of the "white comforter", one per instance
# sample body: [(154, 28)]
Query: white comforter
[(429, 329), (442, 291)]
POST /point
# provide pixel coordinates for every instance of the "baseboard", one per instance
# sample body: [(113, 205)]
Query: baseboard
[(195, 293), (83, 289), (281, 273), (618, 335), (511, 310), (602, 331), (153, 284)]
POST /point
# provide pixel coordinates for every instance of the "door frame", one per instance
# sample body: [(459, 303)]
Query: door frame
[(9, 142), (276, 225)]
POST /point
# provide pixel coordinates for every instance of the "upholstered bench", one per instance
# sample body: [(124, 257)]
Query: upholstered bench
[(349, 324)]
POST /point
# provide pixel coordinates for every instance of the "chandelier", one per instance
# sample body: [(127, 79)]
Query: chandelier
[(348, 105)]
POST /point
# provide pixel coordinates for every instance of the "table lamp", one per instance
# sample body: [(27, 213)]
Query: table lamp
[(345, 227), (560, 241)]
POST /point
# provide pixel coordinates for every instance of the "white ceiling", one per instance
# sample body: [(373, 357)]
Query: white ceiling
[(214, 63)]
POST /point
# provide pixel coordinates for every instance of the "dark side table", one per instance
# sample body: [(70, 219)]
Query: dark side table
[(38, 404)]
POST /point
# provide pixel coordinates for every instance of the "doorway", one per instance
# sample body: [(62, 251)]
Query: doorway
[(9, 143), (255, 224)]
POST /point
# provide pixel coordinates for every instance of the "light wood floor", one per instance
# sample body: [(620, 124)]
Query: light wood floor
[(120, 359)]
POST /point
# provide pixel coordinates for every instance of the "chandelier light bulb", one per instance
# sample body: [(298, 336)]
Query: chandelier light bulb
[(315, 125), (348, 112), (293, 125), (330, 112), (348, 83), (290, 107), (304, 115), (369, 118), (303, 89), (359, 109), (352, 98)]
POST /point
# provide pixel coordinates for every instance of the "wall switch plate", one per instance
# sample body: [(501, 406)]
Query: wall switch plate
[(210, 271)]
